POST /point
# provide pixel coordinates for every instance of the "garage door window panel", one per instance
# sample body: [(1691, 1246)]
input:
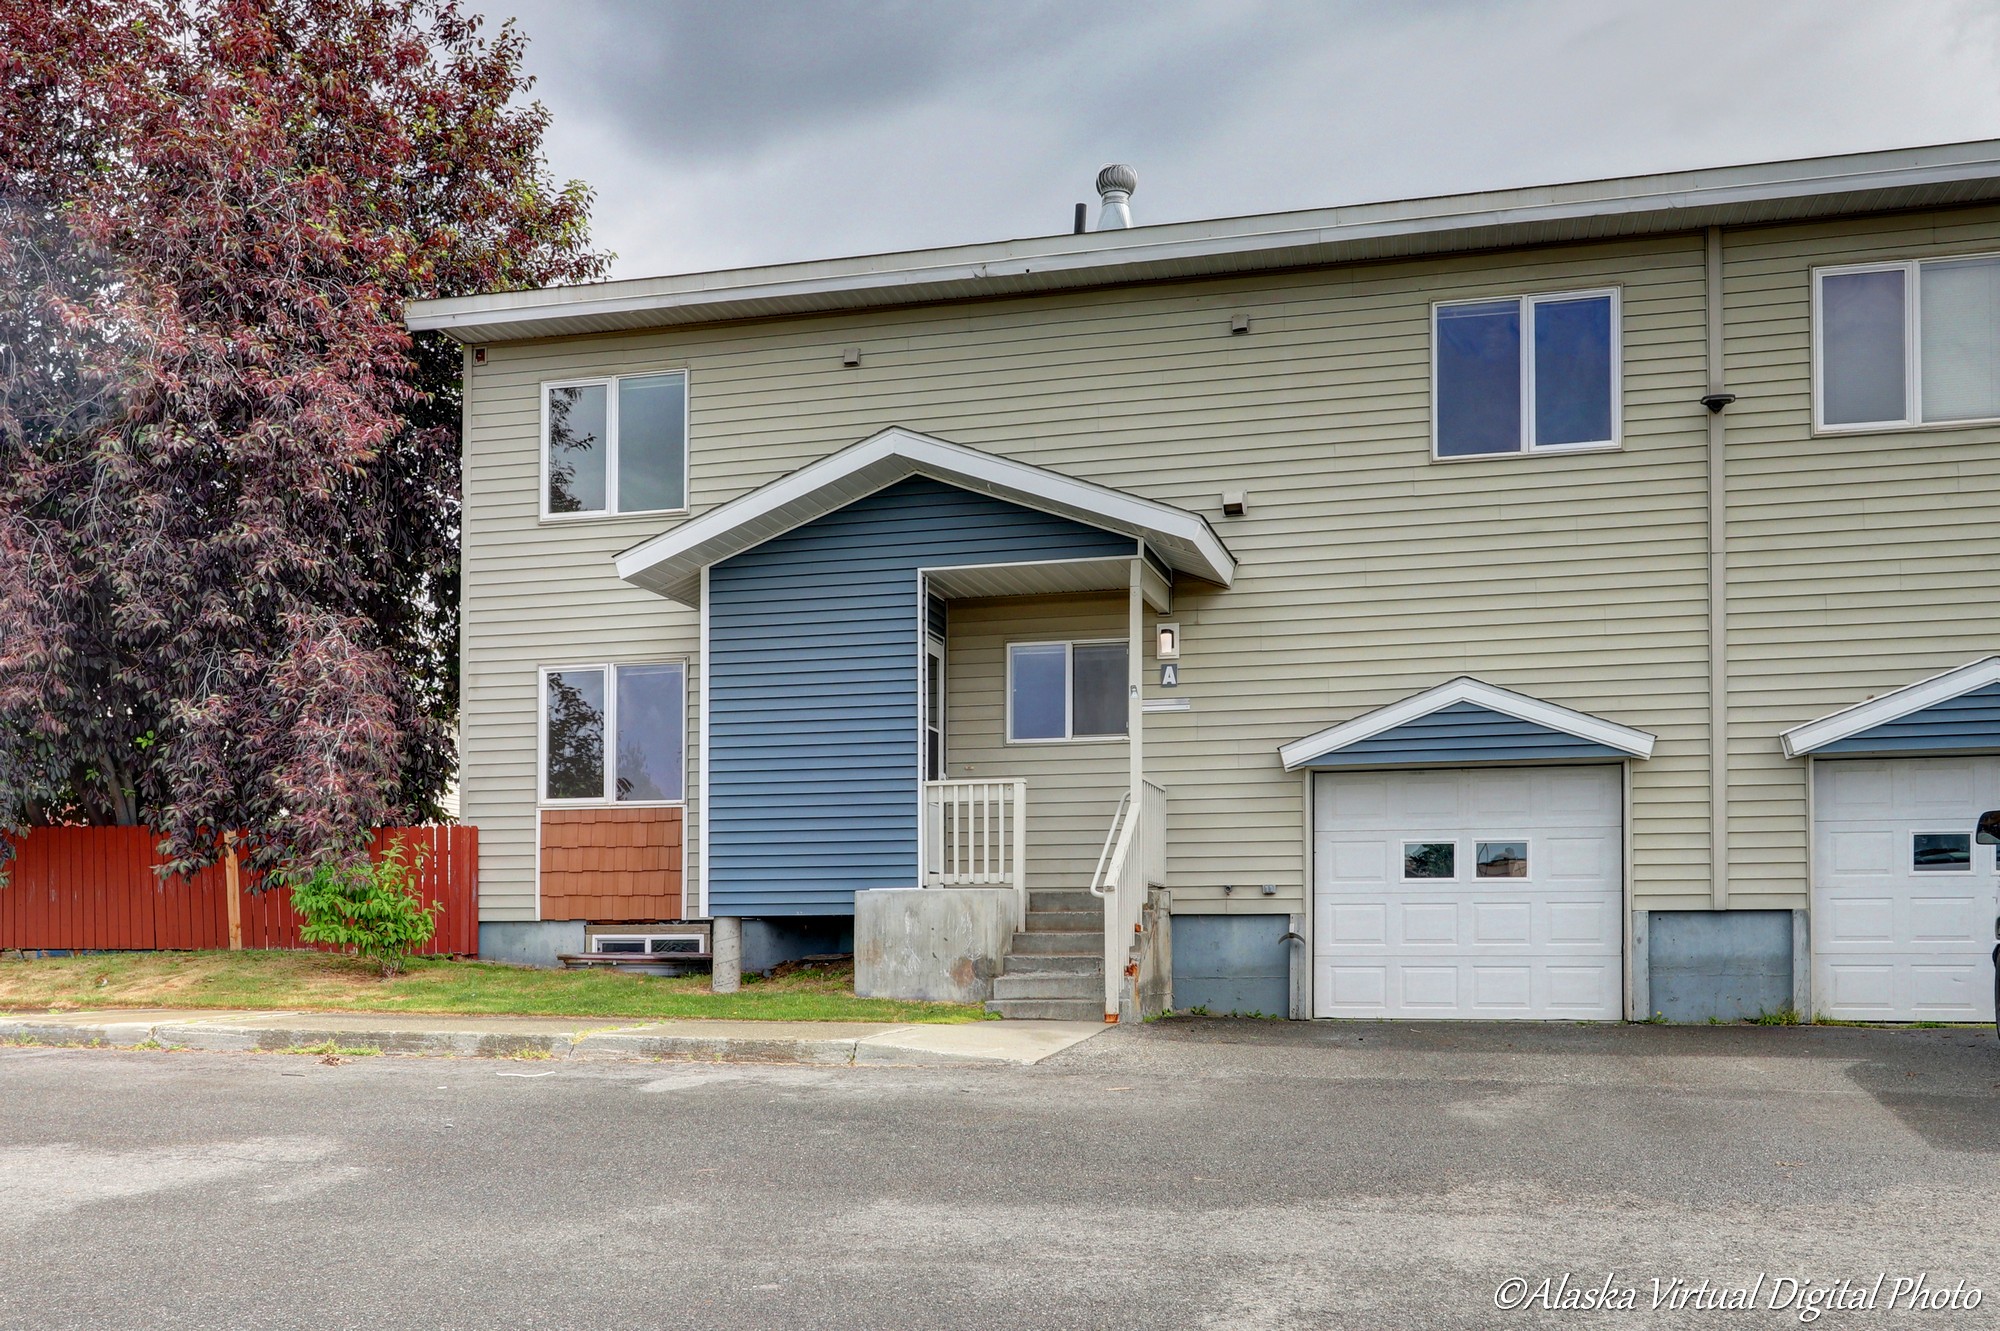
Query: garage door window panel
[(1941, 852), (1501, 859), (1430, 861)]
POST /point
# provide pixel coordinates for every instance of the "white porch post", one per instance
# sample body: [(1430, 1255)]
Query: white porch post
[(1119, 912)]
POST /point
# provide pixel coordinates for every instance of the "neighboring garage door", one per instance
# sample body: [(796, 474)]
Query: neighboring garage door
[(1903, 899), (1490, 892)]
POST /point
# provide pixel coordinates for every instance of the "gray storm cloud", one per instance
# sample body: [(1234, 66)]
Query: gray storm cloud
[(761, 131)]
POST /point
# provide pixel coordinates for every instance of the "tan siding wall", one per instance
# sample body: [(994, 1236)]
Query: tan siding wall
[(1368, 571), (536, 594), (1858, 563)]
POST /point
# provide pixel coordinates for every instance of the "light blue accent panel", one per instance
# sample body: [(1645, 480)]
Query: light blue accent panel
[(1465, 732), (812, 690), (1233, 964), (1969, 721)]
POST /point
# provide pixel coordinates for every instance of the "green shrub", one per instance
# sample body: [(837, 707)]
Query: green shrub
[(371, 909)]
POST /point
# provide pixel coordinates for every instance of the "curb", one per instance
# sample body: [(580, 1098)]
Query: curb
[(629, 1044)]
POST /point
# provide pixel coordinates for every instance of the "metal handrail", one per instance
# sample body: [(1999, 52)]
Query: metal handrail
[(1116, 833)]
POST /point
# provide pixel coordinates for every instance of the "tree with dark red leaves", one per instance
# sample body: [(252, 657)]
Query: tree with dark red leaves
[(228, 476)]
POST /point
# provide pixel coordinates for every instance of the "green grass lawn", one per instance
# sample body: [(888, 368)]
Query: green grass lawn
[(320, 982)]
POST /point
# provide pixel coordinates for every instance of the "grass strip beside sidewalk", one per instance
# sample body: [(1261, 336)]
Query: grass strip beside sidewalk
[(321, 982)]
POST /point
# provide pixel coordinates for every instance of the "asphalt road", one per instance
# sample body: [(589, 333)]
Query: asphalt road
[(1189, 1174)]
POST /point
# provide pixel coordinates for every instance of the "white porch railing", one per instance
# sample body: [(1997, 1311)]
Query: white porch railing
[(976, 835), (1134, 858)]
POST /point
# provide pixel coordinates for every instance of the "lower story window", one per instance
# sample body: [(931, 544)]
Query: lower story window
[(614, 733), (1066, 690)]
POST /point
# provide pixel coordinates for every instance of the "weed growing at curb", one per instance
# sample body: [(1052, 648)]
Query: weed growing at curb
[(329, 1047)]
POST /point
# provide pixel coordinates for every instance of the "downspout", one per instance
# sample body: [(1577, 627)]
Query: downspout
[(1717, 399)]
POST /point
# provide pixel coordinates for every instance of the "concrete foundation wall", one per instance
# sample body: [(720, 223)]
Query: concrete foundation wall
[(530, 942), (942, 945), (1728, 965), (1233, 963)]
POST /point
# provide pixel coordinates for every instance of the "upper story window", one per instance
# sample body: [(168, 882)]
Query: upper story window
[(1066, 690), (614, 734), (1527, 374), (616, 445), (1906, 344)]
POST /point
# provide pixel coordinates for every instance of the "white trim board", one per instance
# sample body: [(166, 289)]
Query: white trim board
[(670, 564), (1520, 706), (1863, 716)]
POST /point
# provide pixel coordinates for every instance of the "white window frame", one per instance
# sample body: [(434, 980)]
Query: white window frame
[(610, 384), (1527, 303), (610, 797), (1913, 379), (1528, 844), (1403, 858), (700, 941), (1069, 735), (1971, 859)]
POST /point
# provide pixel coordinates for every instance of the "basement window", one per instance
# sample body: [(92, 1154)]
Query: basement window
[(614, 445), (1066, 691), (614, 734), (1901, 345), (647, 944), (1527, 374)]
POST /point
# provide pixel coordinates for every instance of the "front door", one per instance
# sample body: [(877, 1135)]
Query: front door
[(934, 709)]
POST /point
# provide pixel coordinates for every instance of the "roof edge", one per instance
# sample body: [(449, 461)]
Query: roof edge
[(1301, 752), (956, 464), (1802, 740), (967, 271)]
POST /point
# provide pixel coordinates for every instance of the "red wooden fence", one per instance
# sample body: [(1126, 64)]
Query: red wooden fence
[(94, 887)]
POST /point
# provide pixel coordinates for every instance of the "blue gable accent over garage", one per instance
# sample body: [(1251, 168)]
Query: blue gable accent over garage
[(1971, 721), (812, 690), (1464, 732)]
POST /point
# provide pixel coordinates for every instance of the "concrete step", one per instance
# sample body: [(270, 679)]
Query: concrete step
[(1049, 1009), (1065, 921), (1063, 898), (1057, 984), (1059, 945), (1017, 964)]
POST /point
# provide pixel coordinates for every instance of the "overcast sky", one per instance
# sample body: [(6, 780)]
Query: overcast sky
[(720, 133)]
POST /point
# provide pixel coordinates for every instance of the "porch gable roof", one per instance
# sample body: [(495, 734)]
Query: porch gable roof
[(1957, 709), (1464, 705), (671, 564)]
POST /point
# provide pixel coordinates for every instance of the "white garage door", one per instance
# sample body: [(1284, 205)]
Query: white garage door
[(1471, 892), (1903, 899)]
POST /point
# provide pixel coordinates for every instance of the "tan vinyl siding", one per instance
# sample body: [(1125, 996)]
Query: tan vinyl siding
[(537, 594), (1858, 563), (1369, 572)]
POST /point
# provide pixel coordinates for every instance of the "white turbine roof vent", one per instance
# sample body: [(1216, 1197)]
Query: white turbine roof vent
[(1115, 184)]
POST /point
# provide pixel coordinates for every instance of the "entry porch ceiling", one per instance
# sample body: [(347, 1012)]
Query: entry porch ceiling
[(1055, 577)]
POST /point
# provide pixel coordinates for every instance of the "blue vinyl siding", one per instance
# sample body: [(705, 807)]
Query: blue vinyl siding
[(1465, 732), (1956, 725), (812, 690)]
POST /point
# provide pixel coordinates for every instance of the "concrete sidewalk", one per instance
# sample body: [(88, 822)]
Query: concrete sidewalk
[(830, 1043)]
